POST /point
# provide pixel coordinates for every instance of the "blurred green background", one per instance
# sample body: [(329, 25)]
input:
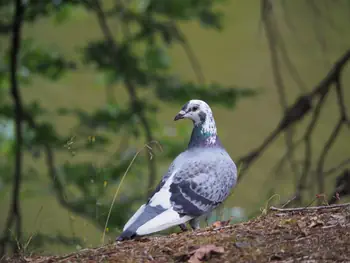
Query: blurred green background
[(314, 35)]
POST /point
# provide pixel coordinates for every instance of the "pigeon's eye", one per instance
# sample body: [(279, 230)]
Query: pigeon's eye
[(194, 108)]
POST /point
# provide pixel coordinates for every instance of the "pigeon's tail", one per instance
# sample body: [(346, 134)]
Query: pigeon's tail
[(150, 219), (127, 234), (165, 220), (144, 214)]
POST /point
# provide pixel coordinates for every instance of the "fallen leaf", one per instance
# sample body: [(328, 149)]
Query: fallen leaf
[(219, 224), (203, 253), (340, 218), (316, 223), (302, 227)]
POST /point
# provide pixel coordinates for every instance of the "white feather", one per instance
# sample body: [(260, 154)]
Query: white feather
[(162, 197), (134, 217), (161, 222)]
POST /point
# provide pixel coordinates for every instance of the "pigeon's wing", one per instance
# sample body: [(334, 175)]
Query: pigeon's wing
[(201, 185), (157, 214), (162, 181), (161, 197)]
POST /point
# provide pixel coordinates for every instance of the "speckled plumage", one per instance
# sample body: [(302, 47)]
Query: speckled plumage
[(198, 180)]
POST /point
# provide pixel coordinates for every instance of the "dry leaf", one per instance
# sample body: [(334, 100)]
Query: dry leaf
[(204, 253), (303, 228), (219, 224), (339, 219), (316, 223)]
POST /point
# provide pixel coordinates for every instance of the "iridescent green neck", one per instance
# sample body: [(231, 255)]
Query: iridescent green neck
[(204, 135), (199, 130)]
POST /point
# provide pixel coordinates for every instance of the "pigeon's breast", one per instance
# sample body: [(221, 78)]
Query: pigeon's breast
[(215, 162), (203, 179)]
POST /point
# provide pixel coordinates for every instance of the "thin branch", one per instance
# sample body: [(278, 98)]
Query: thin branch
[(272, 43), (337, 167), (324, 154), (317, 11), (287, 17), (319, 33), (308, 151), (272, 38), (135, 102), (310, 208), (295, 113), (14, 215), (341, 103), (196, 66)]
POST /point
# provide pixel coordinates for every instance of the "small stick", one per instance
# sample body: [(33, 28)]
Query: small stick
[(290, 200), (310, 208)]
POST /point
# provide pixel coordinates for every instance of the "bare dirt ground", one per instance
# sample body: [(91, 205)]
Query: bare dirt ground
[(313, 235)]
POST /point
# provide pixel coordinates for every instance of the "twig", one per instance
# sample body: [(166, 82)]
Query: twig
[(337, 167), (289, 201), (310, 208)]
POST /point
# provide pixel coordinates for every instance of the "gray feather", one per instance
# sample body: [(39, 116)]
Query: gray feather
[(204, 180)]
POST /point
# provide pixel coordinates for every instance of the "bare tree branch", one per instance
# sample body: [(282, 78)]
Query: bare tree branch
[(337, 167), (14, 214), (341, 103), (310, 208), (273, 43), (308, 151), (196, 66), (297, 111), (324, 154)]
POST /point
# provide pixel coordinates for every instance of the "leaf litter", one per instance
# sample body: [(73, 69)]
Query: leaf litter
[(293, 236)]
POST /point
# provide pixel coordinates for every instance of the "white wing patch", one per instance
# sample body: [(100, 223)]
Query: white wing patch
[(162, 197), (161, 222), (134, 217)]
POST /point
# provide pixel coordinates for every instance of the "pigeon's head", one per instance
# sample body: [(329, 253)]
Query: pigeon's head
[(196, 110)]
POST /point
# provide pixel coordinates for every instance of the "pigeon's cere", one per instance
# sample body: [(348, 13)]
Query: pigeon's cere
[(198, 180)]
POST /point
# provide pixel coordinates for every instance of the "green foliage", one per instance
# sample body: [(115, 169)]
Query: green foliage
[(172, 90), (151, 24), (38, 60)]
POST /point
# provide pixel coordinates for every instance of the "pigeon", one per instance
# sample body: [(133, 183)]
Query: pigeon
[(197, 181)]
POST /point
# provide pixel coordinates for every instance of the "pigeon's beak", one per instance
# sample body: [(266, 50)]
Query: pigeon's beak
[(180, 115)]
